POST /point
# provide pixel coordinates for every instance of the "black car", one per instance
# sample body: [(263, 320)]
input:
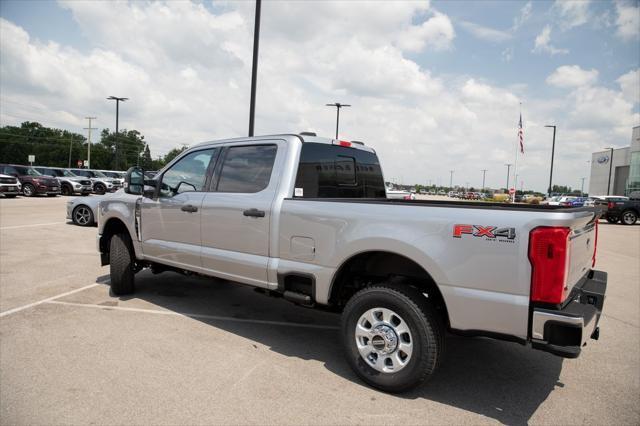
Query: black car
[(624, 210)]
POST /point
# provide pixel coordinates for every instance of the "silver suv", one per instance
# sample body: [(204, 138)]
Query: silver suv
[(101, 182), (70, 183)]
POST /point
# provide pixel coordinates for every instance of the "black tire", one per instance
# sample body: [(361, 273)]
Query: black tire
[(99, 188), (28, 190), (66, 190), (82, 216), (121, 265), (629, 217), (611, 219), (52, 195), (425, 325)]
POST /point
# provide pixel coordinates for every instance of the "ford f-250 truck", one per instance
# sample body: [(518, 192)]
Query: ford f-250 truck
[(306, 218)]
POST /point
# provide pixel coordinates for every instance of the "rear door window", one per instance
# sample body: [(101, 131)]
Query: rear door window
[(247, 169)]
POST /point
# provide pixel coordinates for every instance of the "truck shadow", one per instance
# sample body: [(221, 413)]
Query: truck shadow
[(501, 380)]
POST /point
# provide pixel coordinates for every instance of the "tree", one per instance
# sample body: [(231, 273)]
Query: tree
[(146, 162), (174, 153), (129, 143)]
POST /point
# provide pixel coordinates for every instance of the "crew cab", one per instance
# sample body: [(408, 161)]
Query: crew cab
[(624, 209), (307, 218)]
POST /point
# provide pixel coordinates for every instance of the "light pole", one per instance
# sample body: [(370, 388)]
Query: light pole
[(553, 148), (118, 100), (451, 180), (338, 105), (582, 187), (254, 68), (89, 140), (610, 168), (484, 172), (508, 172)]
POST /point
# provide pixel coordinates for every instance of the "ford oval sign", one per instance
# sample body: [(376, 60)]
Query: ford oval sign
[(603, 159)]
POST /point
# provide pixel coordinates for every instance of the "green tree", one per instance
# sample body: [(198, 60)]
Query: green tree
[(146, 162), (129, 144), (174, 153)]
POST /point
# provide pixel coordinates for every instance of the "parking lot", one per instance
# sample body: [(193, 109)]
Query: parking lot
[(189, 350)]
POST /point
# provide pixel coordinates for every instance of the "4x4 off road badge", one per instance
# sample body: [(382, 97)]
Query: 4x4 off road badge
[(487, 232)]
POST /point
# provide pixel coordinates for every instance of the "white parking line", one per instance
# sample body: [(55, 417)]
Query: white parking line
[(183, 314), (32, 225), (31, 305)]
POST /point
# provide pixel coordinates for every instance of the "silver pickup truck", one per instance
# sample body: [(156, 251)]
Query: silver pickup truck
[(306, 218)]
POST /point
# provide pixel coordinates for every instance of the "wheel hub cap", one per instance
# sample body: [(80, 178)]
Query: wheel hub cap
[(384, 340)]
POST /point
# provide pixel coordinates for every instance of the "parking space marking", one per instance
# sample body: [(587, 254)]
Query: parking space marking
[(32, 225), (49, 299), (190, 315)]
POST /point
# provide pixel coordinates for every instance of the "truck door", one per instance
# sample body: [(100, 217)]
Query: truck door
[(236, 212), (171, 220)]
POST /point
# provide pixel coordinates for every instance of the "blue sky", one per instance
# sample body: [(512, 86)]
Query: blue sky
[(435, 86)]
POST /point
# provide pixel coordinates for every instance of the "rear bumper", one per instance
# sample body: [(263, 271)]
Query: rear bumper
[(565, 331)]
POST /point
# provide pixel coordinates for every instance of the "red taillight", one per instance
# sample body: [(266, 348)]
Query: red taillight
[(345, 143), (549, 257), (610, 204), (595, 247)]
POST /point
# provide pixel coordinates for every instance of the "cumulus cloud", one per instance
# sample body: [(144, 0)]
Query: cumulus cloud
[(187, 71), (628, 20), (630, 85), (485, 33), (572, 76), (572, 13), (543, 43)]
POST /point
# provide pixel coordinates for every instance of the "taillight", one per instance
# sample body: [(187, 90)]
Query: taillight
[(610, 204), (595, 247), (549, 257), (345, 143)]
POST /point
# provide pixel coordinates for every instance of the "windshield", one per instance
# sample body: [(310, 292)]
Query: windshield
[(29, 171), (66, 173), (99, 174)]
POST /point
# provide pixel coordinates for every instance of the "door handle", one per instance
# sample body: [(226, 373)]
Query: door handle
[(189, 208), (253, 213)]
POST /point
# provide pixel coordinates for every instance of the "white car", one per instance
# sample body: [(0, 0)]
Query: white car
[(10, 186), (83, 210)]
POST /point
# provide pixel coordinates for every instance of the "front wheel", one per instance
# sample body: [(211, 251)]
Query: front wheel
[(121, 264), (629, 217), (28, 190), (82, 216), (100, 188), (392, 337)]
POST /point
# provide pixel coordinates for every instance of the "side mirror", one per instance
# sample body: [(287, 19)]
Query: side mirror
[(134, 181)]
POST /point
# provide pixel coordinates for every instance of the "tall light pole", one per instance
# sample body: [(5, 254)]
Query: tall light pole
[(553, 148), (451, 180), (338, 105), (254, 68), (508, 172), (582, 187), (89, 140), (118, 100), (484, 172), (610, 168)]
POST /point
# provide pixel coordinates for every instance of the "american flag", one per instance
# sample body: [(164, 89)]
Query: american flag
[(521, 135)]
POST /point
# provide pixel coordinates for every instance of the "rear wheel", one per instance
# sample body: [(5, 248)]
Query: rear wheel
[(28, 190), (611, 219), (392, 337), (629, 217), (99, 188), (66, 190), (121, 265)]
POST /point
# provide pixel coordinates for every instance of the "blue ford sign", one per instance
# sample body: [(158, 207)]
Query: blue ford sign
[(603, 159)]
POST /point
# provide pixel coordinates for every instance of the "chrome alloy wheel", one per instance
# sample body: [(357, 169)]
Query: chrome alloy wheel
[(82, 215), (384, 340)]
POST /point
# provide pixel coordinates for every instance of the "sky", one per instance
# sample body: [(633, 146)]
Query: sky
[(434, 86)]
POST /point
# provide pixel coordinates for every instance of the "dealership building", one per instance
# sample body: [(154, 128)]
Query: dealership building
[(618, 168)]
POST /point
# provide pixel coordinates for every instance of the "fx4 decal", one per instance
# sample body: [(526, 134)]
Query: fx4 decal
[(491, 232)]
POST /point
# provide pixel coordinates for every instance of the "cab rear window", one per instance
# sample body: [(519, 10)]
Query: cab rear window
[(330, 171)]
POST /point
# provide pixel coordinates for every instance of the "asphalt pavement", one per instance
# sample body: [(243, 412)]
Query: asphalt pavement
[(189, 350)]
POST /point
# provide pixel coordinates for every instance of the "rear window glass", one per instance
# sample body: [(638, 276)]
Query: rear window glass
[(247, 169), (330, 171)]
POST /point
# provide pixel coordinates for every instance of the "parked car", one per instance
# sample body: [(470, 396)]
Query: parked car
[(571, 201), (116, 176), (263, 211), (10, 186), (70, 183), (603, 199), (624, 210), (101, 183), (398, 194), (32, 181)]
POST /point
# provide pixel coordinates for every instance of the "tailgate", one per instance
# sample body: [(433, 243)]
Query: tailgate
[(582, 246)]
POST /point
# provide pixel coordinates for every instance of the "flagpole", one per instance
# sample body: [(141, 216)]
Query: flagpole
[(515, 163)]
